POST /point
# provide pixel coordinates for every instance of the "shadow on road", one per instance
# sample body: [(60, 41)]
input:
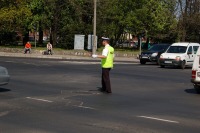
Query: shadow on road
[(175, 67), (149, 64), (191, 91), (4, 90)]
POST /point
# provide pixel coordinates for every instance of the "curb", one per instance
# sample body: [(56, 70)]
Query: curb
[(65, 57)]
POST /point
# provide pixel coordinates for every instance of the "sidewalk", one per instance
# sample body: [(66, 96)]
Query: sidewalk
[(67, 57)]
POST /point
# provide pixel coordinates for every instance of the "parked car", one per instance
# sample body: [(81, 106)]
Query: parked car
[(195, 79), (127, 44), (179, 54), (4, 77), (153, 53)]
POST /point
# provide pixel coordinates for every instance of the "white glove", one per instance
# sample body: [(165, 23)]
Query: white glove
[(94, 56)]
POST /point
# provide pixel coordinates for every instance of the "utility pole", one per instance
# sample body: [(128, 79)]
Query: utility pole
[(140, 38), (35, 33), (94, 28), (35, 38)]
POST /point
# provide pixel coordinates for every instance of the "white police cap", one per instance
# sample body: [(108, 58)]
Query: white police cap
[(105, 38)]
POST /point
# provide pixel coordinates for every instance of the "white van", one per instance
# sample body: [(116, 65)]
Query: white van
[(195, 79), (179, 54)]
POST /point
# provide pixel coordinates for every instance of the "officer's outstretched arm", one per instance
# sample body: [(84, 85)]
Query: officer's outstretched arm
[(99, 56)]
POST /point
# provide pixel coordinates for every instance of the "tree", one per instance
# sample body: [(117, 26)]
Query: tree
[(38, 20), (70, 17), (150, 16), (65, 18), (13, 17), (189, 17)]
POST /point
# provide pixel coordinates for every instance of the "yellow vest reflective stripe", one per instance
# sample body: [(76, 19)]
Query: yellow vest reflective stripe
[(108, 61)]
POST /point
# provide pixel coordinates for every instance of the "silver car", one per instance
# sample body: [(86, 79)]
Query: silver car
[(4, 77)]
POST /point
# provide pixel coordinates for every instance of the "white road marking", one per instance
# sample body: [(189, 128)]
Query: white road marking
[(27, 63), (158, 119), (39, 99), (11, 61), (85, 107), (4, 113)]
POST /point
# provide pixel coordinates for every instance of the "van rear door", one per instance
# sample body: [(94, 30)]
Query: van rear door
[(190, 56), (196, 67)]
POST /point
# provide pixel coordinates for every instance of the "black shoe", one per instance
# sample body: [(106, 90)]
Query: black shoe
[(101, 89), (109, 92)]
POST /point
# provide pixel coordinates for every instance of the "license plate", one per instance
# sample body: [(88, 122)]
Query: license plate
[(144, 57), (168, 61)]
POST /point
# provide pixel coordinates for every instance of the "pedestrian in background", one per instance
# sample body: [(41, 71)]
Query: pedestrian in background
[(49, 48), (27, 48), (107, 58)]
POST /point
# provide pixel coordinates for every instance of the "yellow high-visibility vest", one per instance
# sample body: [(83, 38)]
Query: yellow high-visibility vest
[(108, 61)]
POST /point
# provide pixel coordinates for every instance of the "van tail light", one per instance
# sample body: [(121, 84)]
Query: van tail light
[(194, 74)]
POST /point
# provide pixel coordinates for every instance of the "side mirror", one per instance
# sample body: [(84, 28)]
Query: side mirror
[(189, 52)]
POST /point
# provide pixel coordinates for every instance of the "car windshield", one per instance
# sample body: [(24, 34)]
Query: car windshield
[(158, 47), (177, 49)]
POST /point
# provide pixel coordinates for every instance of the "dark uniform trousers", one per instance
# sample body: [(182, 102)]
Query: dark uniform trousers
[(105, 80)]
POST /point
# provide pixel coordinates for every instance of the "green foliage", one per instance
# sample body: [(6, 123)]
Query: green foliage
[(132, 16), (37, 9), (13, 15), (188, 17), (65, 18)]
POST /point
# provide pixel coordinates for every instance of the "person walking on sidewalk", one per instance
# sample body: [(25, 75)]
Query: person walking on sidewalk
[(107, 58)]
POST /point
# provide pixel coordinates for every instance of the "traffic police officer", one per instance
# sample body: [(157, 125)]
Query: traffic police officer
[(107, 58)]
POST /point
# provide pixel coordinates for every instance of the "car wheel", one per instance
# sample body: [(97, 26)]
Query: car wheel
[(183, 65), (142, 62), (197, 88)]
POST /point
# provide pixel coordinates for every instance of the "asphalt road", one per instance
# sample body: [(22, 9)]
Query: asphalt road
[(60, 96)]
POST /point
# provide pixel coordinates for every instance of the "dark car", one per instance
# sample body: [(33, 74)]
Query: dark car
[(153, 53)]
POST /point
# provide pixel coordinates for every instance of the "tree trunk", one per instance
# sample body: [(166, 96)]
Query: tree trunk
[(40, 34), (26, 37)]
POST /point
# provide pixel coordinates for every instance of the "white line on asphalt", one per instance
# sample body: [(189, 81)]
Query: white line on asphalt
[(39, 99), (85, 107), (11, 61), (158, 119), (30, 64), (4, 113)]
